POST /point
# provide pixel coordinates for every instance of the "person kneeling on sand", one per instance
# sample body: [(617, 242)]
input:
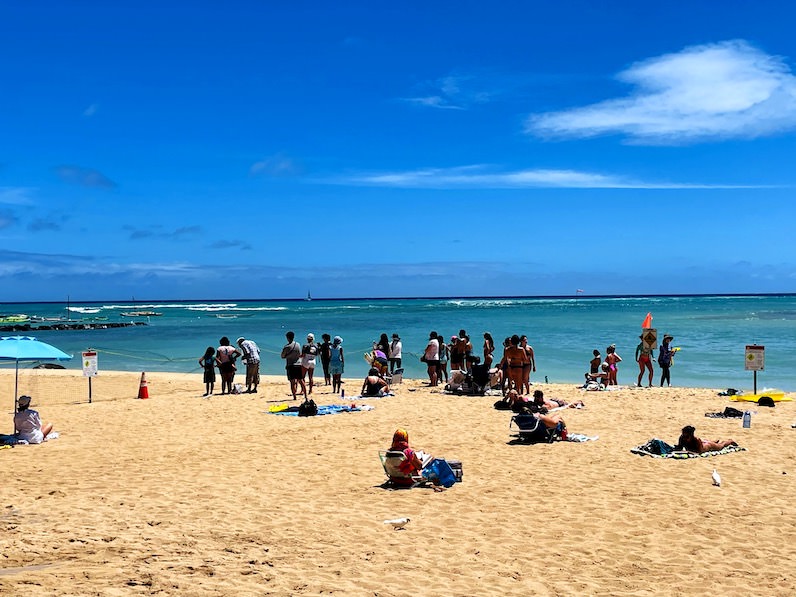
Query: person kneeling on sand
[(27, 423), (374, 384), (691, 443)]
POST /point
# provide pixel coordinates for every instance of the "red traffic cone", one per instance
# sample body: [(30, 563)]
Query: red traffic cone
[(143, 390)]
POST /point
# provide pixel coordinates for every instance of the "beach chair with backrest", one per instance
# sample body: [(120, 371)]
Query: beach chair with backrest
[(532, 431), (391, 460)]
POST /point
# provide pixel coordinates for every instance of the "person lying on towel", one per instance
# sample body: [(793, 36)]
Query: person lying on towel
[(691, 443), (550, 403)]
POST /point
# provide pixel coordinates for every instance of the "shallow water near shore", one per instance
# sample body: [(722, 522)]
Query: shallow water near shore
[(711, 331)]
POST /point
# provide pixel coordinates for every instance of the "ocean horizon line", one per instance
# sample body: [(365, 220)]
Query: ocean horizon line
[(409, 298)]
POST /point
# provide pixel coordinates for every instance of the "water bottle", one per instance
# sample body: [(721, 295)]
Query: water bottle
[(747, 419), (342, 393)]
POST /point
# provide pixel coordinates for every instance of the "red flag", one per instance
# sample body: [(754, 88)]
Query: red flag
[(647, 322)]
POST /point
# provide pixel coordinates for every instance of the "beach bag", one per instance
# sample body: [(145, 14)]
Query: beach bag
[(308, 408), (502, 405), (439, 471)]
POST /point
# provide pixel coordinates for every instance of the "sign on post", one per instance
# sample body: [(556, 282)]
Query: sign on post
[(755, 357), (89, 368), (90, 363)]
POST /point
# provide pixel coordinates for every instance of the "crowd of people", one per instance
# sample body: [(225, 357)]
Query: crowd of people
[(512, 371)]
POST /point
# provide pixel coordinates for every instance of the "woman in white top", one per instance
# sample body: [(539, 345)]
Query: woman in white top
[(27, 423), (308, 353), (395, 353), (431, 358)]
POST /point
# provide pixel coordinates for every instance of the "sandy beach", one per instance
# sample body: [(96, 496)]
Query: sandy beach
[(181, 495)]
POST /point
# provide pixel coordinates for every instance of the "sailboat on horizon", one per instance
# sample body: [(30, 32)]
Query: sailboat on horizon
[(309, 296)]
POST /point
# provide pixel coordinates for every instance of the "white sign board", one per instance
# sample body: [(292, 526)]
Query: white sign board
[(755, 357), (89, 364)]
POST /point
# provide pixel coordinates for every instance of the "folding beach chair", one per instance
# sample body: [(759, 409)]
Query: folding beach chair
[(532, 430), (391, 460)]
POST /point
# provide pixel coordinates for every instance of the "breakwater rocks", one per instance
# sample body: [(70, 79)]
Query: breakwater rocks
[(70, 325)]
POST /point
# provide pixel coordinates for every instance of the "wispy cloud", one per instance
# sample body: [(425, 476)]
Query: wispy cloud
[(16, 195), (707, 92), (7, 219), (483, 177), (86, 177), (453, 92), (231, 244), (91, 110), (276, 165), (157, 231), (44, 225)]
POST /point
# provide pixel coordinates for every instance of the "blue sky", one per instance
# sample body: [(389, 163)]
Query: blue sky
[(263, 149)]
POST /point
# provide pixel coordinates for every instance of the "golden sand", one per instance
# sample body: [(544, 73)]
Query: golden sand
[(181, 495)]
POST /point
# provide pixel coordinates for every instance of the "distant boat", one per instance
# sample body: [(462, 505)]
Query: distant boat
[(140, 314), (17, 318), (309, 296), (226, 316)]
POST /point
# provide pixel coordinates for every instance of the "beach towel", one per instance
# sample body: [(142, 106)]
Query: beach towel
[(360, 397), (660, 449), (729, 413), (580, 438), (325, 409)]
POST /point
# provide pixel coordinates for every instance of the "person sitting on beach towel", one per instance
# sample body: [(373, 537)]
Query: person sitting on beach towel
[(27, 423), (374, 384), (691, 443)]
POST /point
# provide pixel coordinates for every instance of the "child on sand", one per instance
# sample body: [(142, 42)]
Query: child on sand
[(208, 363)]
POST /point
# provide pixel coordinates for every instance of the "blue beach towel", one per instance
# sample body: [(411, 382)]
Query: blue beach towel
[(324, 409)]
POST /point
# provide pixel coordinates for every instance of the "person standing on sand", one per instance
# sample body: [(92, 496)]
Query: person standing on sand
[(226, 355), (665, 354), (395, 353), (208, 363), (308, 353), (530, 363), (489, 350), (326, 353), (291, 352), (337, 364), (251, 356), (612, 359), (431, 358), (644, 360)]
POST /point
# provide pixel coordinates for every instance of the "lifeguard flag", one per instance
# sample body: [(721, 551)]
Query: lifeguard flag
[(647, 322)]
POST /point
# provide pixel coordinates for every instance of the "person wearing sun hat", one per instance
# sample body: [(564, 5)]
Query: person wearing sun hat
[(308, 353), (27, 423), (665, 354), (336, 363)]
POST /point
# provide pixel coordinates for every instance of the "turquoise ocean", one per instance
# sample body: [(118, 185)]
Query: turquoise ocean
[(712, 332)]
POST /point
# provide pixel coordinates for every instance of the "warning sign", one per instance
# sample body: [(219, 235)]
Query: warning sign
[(755, 357), (90, 364), (649, 338)]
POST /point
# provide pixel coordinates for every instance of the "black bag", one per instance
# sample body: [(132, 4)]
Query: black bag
[(502, 405), (308, 408)]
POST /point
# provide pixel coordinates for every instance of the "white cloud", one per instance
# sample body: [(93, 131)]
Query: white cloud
[(91, 110), (16, 195), (708, 92), (453, 92), (276, 165), (480, 177)]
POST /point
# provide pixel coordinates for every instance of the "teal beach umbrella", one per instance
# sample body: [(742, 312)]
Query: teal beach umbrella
[(27, 349)]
